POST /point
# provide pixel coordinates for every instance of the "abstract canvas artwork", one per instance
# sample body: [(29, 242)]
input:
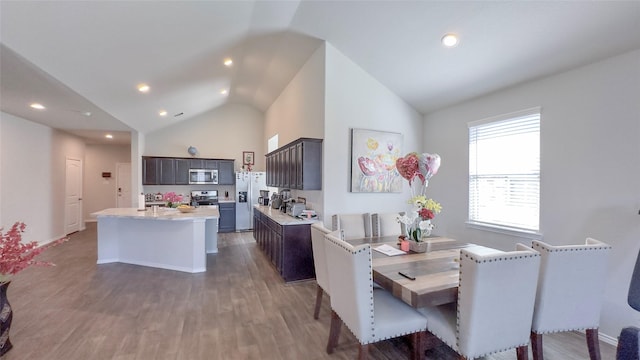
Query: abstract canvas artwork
[(373, 161)]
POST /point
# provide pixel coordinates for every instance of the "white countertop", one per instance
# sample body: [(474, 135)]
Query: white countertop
[(161, 214), (226, 200), (282, 218)]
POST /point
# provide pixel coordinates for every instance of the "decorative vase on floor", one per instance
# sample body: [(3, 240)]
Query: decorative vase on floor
[(6, 315)]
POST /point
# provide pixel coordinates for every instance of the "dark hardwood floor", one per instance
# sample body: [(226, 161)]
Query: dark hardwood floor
[(238, 309)]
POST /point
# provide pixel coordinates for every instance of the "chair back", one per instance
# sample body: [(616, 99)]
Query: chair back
[(495, 300), (351, 280), (634, 288), (386, 224), (318, 232), (571, 286), (354, 225)]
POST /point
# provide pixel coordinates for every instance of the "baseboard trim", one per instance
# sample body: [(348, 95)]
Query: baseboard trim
[(604, 338)]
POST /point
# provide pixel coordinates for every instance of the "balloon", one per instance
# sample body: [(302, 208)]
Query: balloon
[(408, 167), (429, 165)]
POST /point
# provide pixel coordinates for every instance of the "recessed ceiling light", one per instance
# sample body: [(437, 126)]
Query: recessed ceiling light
[(223, 91), (87, 113), (109, 136), (228, 62), (143, 88), (450, 40), (37, 106), (162, 113)]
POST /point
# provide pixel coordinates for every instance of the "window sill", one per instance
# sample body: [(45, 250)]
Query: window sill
[(511, 231)]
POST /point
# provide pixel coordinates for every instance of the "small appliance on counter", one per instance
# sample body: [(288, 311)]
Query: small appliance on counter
[(276, 201), (264, 198), (295, 209)]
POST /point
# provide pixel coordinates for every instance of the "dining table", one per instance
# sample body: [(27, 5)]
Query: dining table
[(419, 279)]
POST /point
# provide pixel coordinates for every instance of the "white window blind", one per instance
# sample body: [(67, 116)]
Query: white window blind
[(504, 171)]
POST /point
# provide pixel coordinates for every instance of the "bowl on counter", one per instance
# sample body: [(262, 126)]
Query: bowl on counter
[(186, 208)]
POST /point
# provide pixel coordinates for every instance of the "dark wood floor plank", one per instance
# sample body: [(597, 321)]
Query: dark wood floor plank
[(239, 309)]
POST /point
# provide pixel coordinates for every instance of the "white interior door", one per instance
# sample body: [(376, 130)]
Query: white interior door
[(123, 183), (73, 195)]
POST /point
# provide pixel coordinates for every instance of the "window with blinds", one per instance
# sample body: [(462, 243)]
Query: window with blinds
[(504, 171)]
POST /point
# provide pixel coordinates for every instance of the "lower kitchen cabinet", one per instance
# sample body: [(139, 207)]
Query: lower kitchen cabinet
[(288, 247), (227, 221)]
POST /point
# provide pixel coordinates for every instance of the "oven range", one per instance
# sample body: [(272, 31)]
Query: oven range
[(204, 197)]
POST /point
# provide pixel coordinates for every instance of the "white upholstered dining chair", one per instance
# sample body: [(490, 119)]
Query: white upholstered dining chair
[(371, 316), (496, 295), (386, 224), (570, 291), (318, 233), (353, 225)]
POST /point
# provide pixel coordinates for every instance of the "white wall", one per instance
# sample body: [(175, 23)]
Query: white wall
[(354, 99), (32, 161), (101, 193), (222, 133), (299, 112), (590, 166)]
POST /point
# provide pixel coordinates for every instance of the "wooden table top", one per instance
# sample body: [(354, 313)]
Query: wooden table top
[(436, 271)]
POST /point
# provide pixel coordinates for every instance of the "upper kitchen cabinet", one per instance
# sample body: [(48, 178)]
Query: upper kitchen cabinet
[(297, 165), (150, 171), (226, 175), (158, 171), (203, 164), (182, 171)]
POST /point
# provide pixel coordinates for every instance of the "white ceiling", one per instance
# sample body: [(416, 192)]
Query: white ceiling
[(77, 57)]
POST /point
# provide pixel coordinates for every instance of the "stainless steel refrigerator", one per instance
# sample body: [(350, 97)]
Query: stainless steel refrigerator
[(248, 186)]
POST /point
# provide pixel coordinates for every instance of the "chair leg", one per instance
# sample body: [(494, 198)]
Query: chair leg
[(334, 332), (419, 341), (536, 346), (593, 344), (522, 352), (316, 312), (363, 352)]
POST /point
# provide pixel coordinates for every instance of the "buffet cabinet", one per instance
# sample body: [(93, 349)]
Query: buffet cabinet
[(297, 165), (288, 247), (175, 171)]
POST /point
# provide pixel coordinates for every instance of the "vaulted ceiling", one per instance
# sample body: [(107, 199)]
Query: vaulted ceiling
[(87, 57)]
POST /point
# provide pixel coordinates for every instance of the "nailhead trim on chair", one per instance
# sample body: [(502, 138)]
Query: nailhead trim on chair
[(560, 248), (590, 248), (367, 248), (509, 257)]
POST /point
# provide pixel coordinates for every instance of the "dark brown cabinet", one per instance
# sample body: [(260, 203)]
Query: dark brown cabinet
[(297, 165), (227, 222), (288, 247), (175, 171), (226, 175), (182, 171)]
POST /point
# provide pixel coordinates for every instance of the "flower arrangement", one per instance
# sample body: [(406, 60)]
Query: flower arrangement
[(418, 222), (420, 167), (16, 256), (172, 199)]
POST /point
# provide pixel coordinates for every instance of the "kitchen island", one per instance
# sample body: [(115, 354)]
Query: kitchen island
[(167, 238)]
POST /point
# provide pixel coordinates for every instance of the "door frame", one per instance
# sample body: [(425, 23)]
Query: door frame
[(80, 195)]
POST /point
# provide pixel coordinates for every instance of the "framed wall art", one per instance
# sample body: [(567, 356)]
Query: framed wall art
[(373, 161), (248, 158)]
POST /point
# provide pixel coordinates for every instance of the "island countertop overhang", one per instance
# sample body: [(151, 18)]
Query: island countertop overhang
[(161, 214)]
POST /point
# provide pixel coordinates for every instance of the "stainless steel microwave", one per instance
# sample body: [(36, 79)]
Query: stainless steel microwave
[(203, 176)]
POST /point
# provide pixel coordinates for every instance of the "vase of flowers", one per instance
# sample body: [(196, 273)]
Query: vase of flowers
[(15, 256), (418, 225), (418, 169), (172, 199)]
